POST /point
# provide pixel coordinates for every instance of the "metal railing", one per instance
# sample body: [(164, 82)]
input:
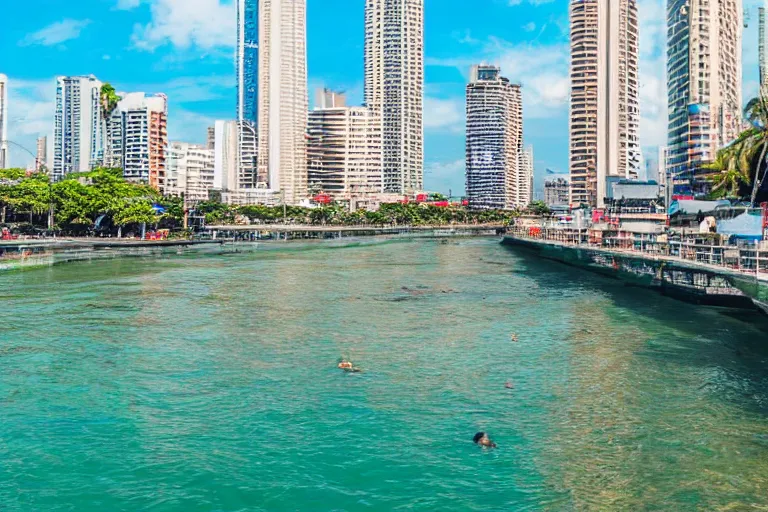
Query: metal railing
[(749, 259)]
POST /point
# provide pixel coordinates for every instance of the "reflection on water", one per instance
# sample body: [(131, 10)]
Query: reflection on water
[(210, 384)]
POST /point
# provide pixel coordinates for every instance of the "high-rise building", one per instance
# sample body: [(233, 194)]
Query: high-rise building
[(190, 171), (3, 121), (525, 181), (247, 62), (248, 150), (763, 57), (327, 98), (41, 160), (138, 132), (394, 87), (556, 192), (283, 103), (210, 142), (343, 149), (226, 147), (77, 138), (662, 166), (494, 151), (604, 110), (703, 84)]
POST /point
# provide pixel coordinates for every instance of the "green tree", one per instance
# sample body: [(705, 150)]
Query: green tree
[(539, 208), (139, 212), (728, 177), (109, 100), (9, 178), (741, 167)]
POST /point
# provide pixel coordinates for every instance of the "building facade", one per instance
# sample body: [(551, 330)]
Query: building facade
[(557, 192), (604, 109), (762, 56), (4, 122), (525, 183), (41, 158), (190, 171), (282, 98), (703, 84), (226, 159), (247, 61), (495, 177), (344, 149), (247, 67), (138, 138), (78, 144), (394, 87)]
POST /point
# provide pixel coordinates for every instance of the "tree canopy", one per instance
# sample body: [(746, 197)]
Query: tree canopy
[(81, 198), (740, 169)]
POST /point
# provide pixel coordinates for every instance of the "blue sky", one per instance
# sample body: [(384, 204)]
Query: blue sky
[(184, 48)]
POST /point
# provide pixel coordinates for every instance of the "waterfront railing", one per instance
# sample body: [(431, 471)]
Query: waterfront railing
[(751, 259)]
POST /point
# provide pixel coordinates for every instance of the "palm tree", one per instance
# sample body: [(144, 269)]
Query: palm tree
[(728, 177), (756, 141), (109, 101)]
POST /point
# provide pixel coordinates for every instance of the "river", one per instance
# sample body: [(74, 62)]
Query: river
[(209, 383)]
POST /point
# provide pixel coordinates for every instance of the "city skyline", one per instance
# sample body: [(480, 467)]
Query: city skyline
[(536, 56)]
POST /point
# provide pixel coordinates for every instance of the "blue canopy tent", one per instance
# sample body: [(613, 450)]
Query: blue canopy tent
[(747, 226)]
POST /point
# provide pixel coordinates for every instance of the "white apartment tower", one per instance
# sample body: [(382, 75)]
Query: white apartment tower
[(344, 149), (138, 131), (604, 110), (190, 171), (282, 98), (226, 159), (77, 138), (525, 182), (394, 87), (41, 160), (704, 84), (3, 122), (496, 178)]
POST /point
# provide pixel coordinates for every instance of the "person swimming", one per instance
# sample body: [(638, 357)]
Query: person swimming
[(509, 385), (482, 439), (514, 337), (348, 367)]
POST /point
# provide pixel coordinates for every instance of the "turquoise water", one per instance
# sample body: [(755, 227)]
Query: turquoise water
[(210, 384)]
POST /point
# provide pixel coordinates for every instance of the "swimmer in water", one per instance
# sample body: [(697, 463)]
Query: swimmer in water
[(348, 367), (509, 385), (514, 337), (482, 439)]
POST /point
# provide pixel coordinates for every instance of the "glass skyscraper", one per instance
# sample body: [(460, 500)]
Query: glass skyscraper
[(703, 84), (248, 61)]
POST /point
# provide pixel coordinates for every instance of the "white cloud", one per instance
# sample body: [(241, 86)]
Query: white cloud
[(56, 33), (185, 125), (444, 114), (442, 176), (653, 81), (188, 89), (542, 70), (31, 105), (127, 4), (532, 2), (203, 24)]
